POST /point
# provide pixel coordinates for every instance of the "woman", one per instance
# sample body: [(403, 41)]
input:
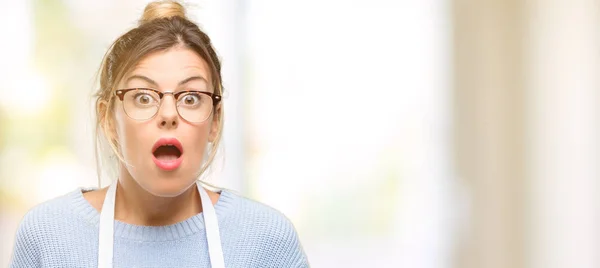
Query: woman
[(159, 108)]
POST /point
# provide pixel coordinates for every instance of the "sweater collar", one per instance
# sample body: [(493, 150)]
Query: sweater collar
[(176, 231)]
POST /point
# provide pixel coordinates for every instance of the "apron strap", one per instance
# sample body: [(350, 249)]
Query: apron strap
[(215, 251), (106, 231)]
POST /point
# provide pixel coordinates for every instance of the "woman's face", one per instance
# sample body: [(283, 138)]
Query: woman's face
[(149, 146)]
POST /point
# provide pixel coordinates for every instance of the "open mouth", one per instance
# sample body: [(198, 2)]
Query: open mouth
[(167, 153)]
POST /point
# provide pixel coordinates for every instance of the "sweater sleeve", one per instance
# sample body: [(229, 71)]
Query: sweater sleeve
[(286, 246), (26, 252), (294, 256)]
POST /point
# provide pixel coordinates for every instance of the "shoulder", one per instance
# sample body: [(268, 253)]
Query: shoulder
[(44, 214), (273, 233), (257, 214), (44, 219), (37, 228), (51, 212)]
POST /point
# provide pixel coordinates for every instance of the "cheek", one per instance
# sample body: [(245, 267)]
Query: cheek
[(195, 141), (131, 135)]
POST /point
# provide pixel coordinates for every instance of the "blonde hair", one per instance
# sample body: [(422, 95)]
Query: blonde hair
[(163, 25)]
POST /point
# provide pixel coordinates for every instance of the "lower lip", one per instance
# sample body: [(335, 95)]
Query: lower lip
[(167, 165)]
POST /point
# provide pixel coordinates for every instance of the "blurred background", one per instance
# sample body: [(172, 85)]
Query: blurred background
[(412, 133)]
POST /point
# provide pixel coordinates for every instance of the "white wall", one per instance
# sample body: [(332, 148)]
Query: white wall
[(563, 50)]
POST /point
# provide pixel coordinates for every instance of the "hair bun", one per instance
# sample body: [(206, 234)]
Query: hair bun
[(162, 9)]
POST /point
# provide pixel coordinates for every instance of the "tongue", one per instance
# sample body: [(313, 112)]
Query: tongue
[(166, 153)]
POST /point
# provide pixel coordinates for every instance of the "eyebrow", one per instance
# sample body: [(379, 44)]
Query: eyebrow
[(192, 79), (152, 82)]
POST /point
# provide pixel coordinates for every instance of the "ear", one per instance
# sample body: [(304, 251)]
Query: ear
[(105, 121), (215, 124)]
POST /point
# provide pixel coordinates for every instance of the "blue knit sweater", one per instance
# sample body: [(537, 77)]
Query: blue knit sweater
[(63, 232)]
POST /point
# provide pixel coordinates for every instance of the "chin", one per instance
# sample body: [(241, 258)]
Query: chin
[(167, 187)]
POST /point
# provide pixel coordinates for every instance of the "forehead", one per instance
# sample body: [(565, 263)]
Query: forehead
[(169, 67)]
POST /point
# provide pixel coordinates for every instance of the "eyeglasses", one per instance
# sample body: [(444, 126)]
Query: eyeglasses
[(144, 103)]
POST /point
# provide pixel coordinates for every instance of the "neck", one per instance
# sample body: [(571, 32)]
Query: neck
[(134, 205)]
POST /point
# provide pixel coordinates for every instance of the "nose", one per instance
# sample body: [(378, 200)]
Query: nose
[(167, 113)]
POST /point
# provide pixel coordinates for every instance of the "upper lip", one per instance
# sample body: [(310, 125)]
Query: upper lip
[(167, 141)]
